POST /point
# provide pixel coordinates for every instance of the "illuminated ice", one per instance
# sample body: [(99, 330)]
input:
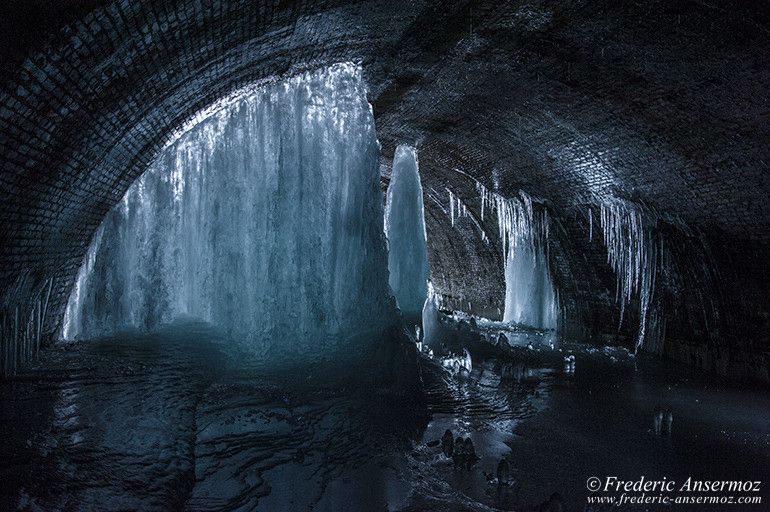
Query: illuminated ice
[(569, 363), (633, 255), (264, 219), (530, 295), (529, 291), (458, 364), (407, 239), (431, 324)]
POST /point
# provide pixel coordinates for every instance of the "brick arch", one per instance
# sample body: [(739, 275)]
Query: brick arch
[(660, 102)]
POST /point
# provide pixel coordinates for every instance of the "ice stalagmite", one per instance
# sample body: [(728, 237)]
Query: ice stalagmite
[(529, 291), (265, 219), (407, 239), (431, 324)]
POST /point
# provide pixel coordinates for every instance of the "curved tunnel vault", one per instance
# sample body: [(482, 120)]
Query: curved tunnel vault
[(657, 103)]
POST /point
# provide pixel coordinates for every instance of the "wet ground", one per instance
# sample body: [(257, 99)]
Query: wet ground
[(176, 421)]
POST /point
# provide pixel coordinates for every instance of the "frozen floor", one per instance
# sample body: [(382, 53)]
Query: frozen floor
[(170, 422)]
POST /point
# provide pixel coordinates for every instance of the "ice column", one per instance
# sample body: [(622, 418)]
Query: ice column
[(530, 297), (265, 219), (529, 292), (431, 323), (407, 239)]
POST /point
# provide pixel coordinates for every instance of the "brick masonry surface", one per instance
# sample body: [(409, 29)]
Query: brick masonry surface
[(664, 103)]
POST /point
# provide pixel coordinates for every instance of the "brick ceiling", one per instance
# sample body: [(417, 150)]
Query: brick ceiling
[(660, 102)]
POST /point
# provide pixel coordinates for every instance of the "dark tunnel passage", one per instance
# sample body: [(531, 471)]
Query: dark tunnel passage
[(635, 134)]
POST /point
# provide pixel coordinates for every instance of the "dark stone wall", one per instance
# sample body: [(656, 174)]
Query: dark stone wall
[(660, 102)]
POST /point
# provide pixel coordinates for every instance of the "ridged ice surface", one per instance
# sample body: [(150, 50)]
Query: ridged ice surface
[(405, 229), (265, 219)]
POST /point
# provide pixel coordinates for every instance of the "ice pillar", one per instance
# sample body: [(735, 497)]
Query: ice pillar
[(407, 239), (529, 291)]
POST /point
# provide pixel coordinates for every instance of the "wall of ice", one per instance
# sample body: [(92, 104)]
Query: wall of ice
[(407, 237), (265, 219)]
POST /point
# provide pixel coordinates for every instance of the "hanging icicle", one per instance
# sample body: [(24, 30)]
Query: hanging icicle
[(22, 324), (530, 296), (457, 208), (633, 254)]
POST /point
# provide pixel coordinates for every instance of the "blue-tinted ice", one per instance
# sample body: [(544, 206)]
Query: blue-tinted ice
[(265, 219)]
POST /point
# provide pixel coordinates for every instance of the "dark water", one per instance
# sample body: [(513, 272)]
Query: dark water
[(178, 421)]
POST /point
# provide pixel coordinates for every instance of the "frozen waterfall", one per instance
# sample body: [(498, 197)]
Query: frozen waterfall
[(529, 298), (407, 238), (530, 295), (265, 219)]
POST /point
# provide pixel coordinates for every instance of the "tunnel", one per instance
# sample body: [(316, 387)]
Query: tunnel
[(261, 255)]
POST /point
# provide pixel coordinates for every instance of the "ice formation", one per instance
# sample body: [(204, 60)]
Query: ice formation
[(407, 238), (530, 296), (459, 210), (264, 219), (431, 323), (22, 317), (633, 255), (458, 363), (569, 363)]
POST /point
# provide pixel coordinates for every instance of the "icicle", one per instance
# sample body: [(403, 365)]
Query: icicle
[(633, 256), (479, 188), (458, 209), (22, 318)]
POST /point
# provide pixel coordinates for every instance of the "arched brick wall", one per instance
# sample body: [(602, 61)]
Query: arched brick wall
[(661, 102)]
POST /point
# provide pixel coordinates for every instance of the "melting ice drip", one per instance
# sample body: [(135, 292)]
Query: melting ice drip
[(407, 237), (458, 210), (530, 297), (265, 219), (633, 255)]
